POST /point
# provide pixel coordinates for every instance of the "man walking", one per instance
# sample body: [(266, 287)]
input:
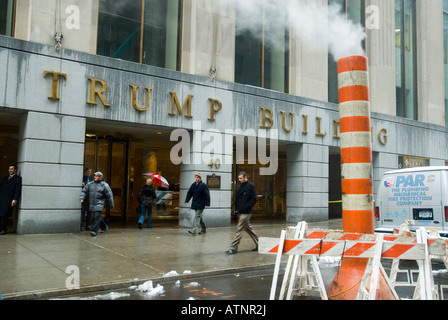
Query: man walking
[(96, 193), (246, 197), (10, 191), (201, 200)]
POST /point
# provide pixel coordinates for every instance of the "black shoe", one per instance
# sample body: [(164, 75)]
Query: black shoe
[(203, 231), (140, 225), (93, 234), (255, 250), (231, 251), (192, 232)]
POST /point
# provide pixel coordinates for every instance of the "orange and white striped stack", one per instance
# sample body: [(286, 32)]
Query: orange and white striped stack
[(356, 145), (356, 162)]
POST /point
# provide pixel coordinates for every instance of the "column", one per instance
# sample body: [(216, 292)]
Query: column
[(307, 183), (430, 66), (51, 157), (380, 47), (212, 166)]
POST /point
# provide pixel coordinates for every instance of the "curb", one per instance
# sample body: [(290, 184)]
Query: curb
[(53, 293)]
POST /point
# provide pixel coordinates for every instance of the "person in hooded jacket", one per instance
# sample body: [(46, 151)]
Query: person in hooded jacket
[(201, 200), (97, 192), (146, 197)]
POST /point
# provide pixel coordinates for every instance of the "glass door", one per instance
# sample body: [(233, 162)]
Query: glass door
[(110, 157), (271, 190)]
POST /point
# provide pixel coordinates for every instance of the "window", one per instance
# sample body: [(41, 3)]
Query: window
[(353, 10), (7, 17), (445, 55), (406, 58), (261, 56), (146, 31)]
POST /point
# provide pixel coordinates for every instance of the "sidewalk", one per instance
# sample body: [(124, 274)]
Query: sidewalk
[(34, 266)]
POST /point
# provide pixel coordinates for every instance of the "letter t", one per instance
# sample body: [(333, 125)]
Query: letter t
[(56, 76)]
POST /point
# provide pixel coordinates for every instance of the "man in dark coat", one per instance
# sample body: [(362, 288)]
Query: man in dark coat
[(10, 192), (201, 200), (246, 197)]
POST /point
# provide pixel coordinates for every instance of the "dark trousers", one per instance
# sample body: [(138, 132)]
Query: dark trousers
[(98, 222), (3, 223), (86, 217)]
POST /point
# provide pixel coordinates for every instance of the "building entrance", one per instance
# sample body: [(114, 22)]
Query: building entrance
[(109, 155), (9, 150), (335, 188), (124, 160), (271, 190)]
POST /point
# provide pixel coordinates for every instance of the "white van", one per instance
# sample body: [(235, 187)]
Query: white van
[(418, 196)]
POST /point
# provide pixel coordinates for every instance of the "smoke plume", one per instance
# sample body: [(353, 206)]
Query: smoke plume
[(311, 21)]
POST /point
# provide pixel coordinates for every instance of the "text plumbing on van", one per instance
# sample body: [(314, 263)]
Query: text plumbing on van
[(409, 191), (418, 196)]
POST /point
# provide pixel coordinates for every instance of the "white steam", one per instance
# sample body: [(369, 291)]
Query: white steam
[(314, 23)]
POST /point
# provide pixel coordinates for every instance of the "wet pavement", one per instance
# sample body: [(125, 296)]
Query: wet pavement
[(163, 263), (44, 266)]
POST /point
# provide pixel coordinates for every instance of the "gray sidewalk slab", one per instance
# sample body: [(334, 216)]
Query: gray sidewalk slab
[(35, 266)]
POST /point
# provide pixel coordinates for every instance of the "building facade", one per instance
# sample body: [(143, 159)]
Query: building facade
[(184, 86)]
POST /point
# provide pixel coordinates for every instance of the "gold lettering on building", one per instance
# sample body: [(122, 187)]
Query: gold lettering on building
[(336, 129), (319, 129), (175, 102), (305, 124), (94, 92), (215, 107), (134, 98), (382, 136), (56, 76), (98, 88), (266, 116), (291, 121)]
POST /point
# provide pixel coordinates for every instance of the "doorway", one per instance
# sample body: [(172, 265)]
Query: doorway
[(109, 156), (271, 190), (335, 187), (9, 151)]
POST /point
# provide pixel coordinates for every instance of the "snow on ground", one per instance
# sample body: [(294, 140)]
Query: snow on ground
[(148, 287)]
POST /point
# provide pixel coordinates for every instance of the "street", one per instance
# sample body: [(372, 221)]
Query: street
[(253, 285)]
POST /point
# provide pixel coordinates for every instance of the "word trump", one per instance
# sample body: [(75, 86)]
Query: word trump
[(219, 146)]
